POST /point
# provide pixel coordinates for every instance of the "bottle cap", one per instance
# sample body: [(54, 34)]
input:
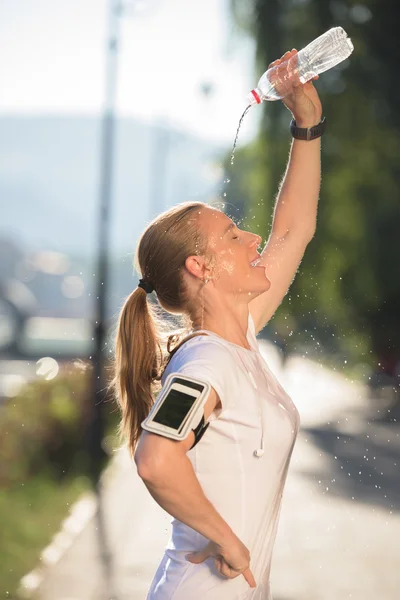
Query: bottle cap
[(254, 96)]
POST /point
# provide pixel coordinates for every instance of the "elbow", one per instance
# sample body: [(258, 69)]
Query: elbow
[(309, 234), (303, 235), (307, 230), (145, 470), (150, 468), (143, 467), (145, 456), (155, 456)]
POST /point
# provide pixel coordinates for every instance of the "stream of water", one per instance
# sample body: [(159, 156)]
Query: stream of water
[(237, 131)]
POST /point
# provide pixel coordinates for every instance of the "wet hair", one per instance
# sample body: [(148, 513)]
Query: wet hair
[(142, 343)]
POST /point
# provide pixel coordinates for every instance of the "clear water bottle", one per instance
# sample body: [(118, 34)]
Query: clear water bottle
[(325, 52)]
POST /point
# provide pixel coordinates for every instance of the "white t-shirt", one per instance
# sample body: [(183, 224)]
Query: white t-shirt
[(246, 490)]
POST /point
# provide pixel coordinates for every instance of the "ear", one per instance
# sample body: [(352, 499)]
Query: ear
[(195, 265)]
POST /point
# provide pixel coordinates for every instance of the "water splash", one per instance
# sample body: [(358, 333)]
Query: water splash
[(237, 131)]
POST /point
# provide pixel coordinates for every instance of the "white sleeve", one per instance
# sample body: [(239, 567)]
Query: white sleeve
[(209, 361)]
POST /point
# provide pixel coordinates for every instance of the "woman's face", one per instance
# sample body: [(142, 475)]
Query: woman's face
[(234, 249)]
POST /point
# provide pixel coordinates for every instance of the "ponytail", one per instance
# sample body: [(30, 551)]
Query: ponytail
[(138, 361)]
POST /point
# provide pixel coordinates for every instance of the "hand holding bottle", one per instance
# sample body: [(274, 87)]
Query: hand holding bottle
[(285, 75), (300, 98)]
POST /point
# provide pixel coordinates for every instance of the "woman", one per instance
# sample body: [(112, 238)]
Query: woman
[(224, 490)]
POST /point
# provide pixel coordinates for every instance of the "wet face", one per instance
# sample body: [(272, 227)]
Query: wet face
[(234, 250)]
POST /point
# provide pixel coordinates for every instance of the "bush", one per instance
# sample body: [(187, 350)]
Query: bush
[(44, 466), (43, 429)]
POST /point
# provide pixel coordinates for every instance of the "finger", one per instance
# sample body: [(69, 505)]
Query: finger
[(249, 577), (197, 557), (227, 570), (285, 58), (293, 60), (282, 58), (284, 69)]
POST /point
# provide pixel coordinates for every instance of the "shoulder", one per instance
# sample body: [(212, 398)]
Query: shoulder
[(203, 347), (202, 354), (209, 359)]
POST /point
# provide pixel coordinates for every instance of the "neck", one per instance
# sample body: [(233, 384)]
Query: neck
[(228, 322)]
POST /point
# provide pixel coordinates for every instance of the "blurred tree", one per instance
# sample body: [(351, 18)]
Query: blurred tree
[(348, 289)]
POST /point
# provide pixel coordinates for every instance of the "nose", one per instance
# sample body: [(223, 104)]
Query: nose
[(256, 240)]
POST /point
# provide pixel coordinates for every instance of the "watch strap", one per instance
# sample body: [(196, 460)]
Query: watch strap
[(307, 133)]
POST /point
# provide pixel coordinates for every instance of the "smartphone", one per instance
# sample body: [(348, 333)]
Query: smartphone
[(178, 408)]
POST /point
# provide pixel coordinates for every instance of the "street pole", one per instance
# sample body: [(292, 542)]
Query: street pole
[(99, 393), (101, 272), (161, 140)]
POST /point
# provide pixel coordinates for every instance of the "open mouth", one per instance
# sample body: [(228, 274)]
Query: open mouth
[(255, 262)]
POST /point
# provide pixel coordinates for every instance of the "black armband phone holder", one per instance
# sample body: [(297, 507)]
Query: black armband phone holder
[(199, 431)]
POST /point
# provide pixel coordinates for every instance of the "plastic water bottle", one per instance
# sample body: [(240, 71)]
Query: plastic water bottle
[(325, 52)]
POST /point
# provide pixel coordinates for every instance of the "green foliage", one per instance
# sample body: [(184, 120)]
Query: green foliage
[(42, 429), (348, 287), (44, 465)]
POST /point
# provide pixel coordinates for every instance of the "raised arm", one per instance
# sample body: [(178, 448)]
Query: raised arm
[(295, 212)]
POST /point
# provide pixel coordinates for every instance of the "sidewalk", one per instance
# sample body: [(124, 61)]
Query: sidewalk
[(339, 529)]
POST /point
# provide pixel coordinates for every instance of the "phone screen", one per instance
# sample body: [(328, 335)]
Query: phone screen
[(174, 409)]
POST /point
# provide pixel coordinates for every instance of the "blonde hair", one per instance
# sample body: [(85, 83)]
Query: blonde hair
[(141, 331)]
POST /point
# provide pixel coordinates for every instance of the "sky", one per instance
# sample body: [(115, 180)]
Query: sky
[(53, 61)]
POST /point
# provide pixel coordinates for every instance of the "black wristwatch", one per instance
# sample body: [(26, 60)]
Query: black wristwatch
[(307, 133)]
